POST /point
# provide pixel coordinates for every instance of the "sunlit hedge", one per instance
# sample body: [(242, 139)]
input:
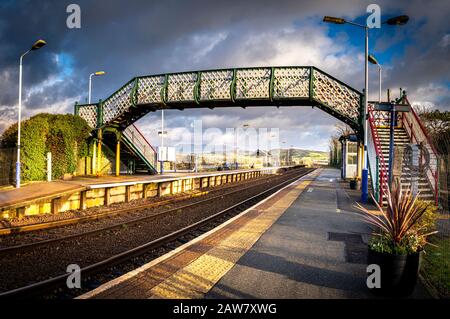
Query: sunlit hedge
[(64, 135)]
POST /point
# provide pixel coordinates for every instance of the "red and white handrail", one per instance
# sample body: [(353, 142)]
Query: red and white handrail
[(383, 171), (419, 135)]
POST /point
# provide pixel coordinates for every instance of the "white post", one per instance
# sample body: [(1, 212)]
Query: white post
[(94, 160), (19, 120), (365, 171), (379, 78), (162, 142), (49, 167), (90, 88)]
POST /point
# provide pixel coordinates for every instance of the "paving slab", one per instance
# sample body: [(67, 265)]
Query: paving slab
[(316, 249)]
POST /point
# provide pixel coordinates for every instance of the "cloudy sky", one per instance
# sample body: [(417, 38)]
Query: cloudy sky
[(137, 37)]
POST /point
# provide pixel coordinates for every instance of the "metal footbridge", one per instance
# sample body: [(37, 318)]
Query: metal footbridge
[(238, 87), (269, 86)]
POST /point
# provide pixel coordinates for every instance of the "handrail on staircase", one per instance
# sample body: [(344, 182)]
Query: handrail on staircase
[(140, 143), (376, 139), (415, 130), (145, 139)]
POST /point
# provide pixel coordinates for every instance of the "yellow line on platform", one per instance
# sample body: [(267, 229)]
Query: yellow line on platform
[(197, 278)]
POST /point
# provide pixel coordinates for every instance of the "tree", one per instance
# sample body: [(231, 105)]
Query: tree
[(437, 124)]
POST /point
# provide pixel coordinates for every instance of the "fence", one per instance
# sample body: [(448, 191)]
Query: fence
[(444, 177), (7, 166)]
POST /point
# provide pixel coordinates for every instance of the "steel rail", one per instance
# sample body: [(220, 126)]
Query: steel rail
[(60, 280), (69, 221), (121, 224)]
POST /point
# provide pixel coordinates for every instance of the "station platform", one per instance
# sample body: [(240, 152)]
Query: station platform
[(305, 241), (34, 190), (82, 192)]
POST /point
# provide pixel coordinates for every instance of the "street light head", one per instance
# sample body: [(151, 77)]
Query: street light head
[(38, 44), (333, 20), (400, 20), (99, 73), (372, 59)]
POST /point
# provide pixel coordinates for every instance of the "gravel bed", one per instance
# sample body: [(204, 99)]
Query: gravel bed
[(37, 219), (29, 266), (58, 232)]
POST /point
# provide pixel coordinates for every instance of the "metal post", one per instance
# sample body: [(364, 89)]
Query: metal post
[(94, 159), (118, 157), (49, 167), (18, 125), (90, 88), (235, 148), (99, 154), (379, 78), (365, 171), (391, 142), (162, 142)]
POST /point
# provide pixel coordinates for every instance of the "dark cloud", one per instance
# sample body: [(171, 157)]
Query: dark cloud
[(129, 38)]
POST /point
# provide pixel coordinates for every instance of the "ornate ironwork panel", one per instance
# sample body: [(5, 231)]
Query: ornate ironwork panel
[(118, 103), (89, 114), (149, 89), (286, 83), (215, 85), (181, 87), (253, 83), (336, 95), (291, 83)]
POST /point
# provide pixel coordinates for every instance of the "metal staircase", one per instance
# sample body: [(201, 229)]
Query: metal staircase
[(408, 130), (401, 140), (136, 153), (137, 142)]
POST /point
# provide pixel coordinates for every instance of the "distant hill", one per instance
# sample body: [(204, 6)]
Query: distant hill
[(298, 153)]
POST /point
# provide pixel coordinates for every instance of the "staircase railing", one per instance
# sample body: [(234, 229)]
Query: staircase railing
[(140, 143), (380, 171), (418, 135)]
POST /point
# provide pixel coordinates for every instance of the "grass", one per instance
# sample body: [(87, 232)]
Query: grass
[(436, 265)]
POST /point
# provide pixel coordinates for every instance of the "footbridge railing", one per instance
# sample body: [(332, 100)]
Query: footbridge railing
[(267, 86)]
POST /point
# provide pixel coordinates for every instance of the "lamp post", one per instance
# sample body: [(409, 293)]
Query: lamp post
[(36, 46), (162, 133), (236, 147), (289, 154), (375, 62), (400, 20), (99, 73), (284, 143), (94, 155)]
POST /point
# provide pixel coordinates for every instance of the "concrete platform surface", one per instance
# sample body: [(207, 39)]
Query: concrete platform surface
[(306, 241)]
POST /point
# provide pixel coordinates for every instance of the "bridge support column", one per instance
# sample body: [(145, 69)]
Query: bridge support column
[(360, 160), (118, 139), (118, 158), (99, 153), (94, 158)]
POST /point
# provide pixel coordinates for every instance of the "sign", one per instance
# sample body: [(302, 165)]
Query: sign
[(387, 107), (166, 154)]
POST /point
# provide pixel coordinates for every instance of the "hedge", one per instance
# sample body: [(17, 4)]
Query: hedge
[(64, 135)]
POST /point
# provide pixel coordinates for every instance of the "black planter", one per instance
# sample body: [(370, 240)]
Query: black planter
[(399, 273)]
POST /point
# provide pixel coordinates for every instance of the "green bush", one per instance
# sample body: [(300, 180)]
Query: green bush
[(64, 135), (413, 241)]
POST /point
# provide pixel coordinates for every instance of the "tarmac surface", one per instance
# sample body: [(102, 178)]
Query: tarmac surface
[(306, 241), (316, 249)]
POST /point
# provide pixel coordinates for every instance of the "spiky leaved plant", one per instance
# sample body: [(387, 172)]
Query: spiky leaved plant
[(399, 223)]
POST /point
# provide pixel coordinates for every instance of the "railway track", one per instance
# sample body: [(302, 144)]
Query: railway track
[(164, 243), (135, 210), (112, 211)]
